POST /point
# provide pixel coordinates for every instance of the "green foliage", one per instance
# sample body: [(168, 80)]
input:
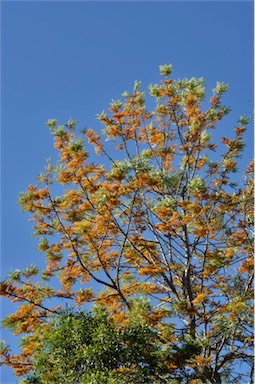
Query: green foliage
[(51, 123), (220, 88), (15, 275), (244, 120), (116, 105), (59, 132), (76, 145), (80, 347), (197, 185), (154, 90), (165, 70)]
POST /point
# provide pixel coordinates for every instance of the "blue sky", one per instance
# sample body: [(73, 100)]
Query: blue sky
[(65, 59)]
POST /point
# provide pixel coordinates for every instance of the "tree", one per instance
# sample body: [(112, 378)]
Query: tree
[(162, 216), (81, 347)]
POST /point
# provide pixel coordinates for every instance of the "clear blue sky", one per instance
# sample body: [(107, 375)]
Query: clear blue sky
[(69, 59)]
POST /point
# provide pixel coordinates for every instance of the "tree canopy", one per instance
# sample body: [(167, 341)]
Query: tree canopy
[(81, 347), (160, 214)]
